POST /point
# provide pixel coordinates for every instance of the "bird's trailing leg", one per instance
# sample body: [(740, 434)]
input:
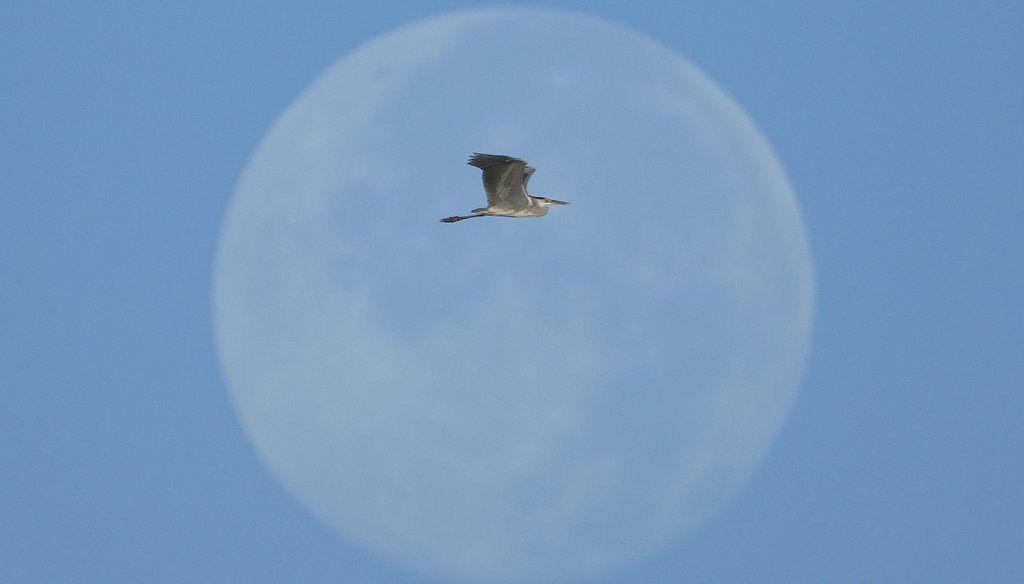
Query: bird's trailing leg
[(457, 218)]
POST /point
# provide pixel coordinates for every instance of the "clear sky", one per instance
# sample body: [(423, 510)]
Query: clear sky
[(124, 129)]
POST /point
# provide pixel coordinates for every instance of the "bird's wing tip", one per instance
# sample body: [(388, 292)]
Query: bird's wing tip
[(483, 161)]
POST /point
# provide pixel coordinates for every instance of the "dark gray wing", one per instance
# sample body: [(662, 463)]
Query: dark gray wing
[(504, 180)]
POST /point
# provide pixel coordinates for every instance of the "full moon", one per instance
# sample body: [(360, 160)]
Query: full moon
[(513, 400)]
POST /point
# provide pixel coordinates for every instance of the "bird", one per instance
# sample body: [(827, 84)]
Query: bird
[(505, 181)]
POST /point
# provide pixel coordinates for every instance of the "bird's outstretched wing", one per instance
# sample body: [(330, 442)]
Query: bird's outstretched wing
[(504, 180)]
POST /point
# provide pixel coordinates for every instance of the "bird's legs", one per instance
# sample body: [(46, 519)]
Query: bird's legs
[(457, 218)]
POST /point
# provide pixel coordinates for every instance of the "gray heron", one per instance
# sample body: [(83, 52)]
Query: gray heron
[(505, 181)]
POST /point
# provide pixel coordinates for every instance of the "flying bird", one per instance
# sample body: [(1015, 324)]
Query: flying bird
[(505, 181)]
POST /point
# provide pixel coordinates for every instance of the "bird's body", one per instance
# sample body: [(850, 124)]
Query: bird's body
[(505, 181)]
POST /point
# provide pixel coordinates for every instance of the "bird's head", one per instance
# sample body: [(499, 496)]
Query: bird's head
[(548, 202)]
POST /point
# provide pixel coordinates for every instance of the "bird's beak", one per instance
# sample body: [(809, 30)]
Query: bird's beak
[(557, 202)]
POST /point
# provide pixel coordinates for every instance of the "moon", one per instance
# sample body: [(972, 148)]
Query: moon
[(500, 400)]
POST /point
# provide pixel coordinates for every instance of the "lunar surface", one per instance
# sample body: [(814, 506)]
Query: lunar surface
[(513, 400)]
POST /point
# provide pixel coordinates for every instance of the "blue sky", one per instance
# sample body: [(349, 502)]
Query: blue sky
[(124, 129)]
